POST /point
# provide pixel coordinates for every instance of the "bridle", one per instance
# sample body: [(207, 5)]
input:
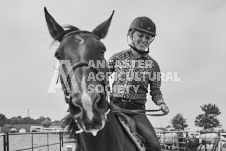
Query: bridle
[(67, 95)]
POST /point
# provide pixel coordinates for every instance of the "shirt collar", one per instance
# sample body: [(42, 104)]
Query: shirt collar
[(145, 56)]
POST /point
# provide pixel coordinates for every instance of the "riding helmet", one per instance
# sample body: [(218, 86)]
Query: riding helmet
[(143, 24)]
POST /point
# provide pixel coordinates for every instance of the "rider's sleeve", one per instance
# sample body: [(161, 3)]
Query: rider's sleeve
[(111, 63), (155, 84)]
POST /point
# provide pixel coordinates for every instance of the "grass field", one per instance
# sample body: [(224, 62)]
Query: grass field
[(18, 142)]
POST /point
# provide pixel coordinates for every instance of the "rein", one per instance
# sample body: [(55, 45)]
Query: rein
[(141, 112), (111, 106)]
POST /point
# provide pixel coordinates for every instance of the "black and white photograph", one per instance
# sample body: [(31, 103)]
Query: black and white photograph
[(113, 75)]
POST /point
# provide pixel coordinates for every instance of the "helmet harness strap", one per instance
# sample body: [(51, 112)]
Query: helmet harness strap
[(135, 48)]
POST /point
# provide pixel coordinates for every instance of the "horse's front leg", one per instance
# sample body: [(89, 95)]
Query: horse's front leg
[(200, 147), (214, 147)]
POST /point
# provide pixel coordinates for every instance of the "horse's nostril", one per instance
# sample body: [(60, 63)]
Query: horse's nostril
[(100, 102), (75, 109)]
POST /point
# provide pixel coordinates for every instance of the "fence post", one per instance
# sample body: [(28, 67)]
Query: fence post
[(32, 142), (60, 140), (7, 141), (48, 141), (186, 139), (4, 142)]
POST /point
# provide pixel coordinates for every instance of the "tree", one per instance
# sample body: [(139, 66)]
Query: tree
[(28, 120), (40, 120), (57, 123), (19, 119), (2, 119), (14, 120), (209, 118), (46, 123), (179, 122)]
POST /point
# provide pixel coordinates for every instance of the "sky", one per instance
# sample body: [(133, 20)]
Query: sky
[(190, 46)]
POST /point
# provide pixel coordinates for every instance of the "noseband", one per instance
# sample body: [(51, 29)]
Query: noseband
[(67, 95)]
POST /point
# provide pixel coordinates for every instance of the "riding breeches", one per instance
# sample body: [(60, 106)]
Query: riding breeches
[(144, 127)]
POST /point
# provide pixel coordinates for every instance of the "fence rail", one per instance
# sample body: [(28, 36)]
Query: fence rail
[(61, 142), (190, 140), (181, 143), (174, 142)]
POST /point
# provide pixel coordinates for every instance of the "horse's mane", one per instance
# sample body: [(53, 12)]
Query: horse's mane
[(72, 125)]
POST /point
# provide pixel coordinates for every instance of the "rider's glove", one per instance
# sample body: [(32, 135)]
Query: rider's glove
[(164, 108)]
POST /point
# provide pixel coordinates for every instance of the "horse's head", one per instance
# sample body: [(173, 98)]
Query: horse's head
[(83, 72)]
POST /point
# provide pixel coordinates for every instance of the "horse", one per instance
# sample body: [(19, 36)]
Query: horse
[(209, 138), (192, 143), (169, 140), (79, 53)]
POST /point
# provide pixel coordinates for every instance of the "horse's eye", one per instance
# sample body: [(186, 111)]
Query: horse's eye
[(57, 56), (102, 52)]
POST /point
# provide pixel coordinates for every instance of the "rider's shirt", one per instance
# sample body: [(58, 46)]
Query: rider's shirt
[(133, 75)]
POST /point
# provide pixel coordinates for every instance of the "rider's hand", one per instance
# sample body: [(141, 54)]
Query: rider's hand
[(164, 108)]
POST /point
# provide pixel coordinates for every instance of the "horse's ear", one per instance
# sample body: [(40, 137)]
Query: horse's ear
[(54, 28), (102, 29)]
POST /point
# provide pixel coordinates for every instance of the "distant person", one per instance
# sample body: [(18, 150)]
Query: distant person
[(134, 71)]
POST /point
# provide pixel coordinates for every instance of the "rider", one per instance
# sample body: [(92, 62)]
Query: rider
[(134, 70)]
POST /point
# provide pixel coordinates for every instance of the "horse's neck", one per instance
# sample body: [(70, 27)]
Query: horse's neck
[(111, 137)]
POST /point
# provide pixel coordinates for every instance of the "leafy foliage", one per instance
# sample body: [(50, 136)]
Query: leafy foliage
[(2, 119), (209, 118), (20, 120), (211, 109), (179, 122), (46, 122)]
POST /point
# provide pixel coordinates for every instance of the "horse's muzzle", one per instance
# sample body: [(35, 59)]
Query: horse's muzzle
[(90, 112)]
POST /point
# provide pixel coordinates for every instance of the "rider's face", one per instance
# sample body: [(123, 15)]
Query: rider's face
[(141, 40)]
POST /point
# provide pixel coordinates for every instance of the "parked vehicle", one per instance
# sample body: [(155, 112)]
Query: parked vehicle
[(13, 130), (36, 128), (22, 130)]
